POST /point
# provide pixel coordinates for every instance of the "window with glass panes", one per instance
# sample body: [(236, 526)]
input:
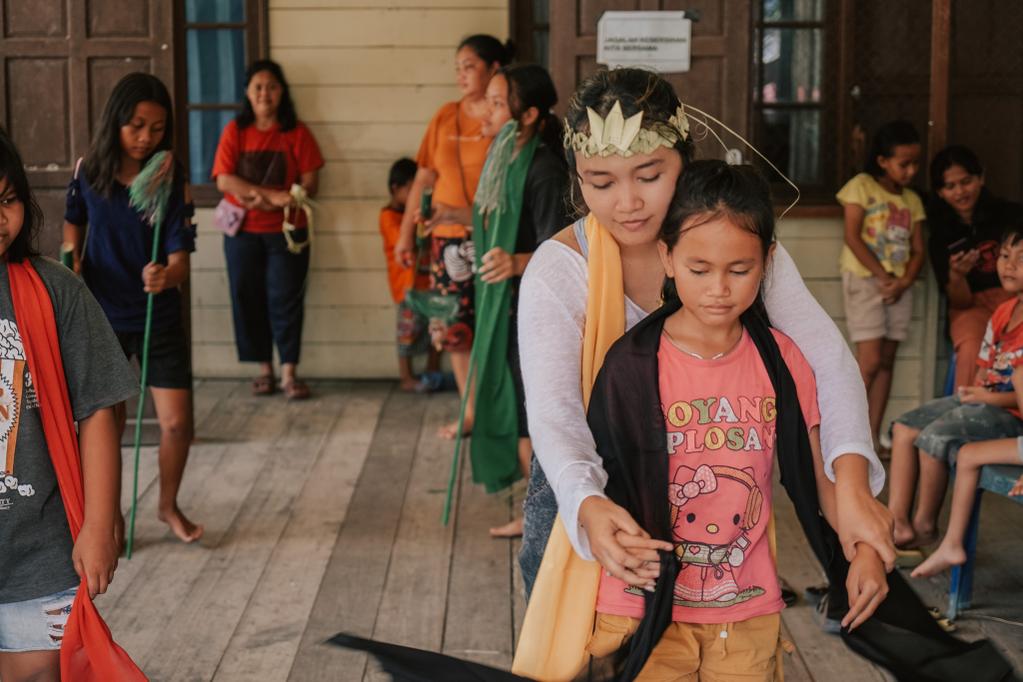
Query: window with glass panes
[(530, 30), (793, 107), (221, 38)]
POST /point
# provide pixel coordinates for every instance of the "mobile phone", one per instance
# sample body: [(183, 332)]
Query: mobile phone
[(959, 246), (426, 204)]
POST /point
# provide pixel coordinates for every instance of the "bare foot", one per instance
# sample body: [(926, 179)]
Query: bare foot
[(450, 431), (512, 529), (904, 535), (942, 559), (409, 385), (182, 527)]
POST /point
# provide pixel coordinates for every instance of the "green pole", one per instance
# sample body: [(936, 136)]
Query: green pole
[(142, 395)]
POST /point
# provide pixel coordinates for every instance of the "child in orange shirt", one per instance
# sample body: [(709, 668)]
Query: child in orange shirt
[(413, 338)]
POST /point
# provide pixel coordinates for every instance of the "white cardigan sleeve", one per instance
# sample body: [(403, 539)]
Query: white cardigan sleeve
[(841, 397), (551, 316)]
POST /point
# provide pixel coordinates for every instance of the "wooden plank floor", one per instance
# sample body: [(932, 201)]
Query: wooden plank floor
[(325, 516)]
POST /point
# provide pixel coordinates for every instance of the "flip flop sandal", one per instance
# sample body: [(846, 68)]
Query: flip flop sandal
[(263, 385), (295, 390), (944, 623), (908, 558), (788, 595), (814, 593)]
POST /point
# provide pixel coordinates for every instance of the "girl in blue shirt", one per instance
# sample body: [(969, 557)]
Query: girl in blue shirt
[(113, 256)]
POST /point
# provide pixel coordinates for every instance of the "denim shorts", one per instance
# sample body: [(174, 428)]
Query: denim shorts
[(540, 509), (946, 424), (35, 624)]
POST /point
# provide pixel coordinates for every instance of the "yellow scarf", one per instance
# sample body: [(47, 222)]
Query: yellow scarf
[(559, 618)]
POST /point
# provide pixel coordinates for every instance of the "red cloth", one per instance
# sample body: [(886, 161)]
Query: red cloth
[(88, 652), (269, 158)]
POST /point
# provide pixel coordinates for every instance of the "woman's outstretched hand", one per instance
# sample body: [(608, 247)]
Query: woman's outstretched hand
[(861, 518), (625, 550)]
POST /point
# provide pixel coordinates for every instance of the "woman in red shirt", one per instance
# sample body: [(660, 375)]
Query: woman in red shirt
[(450, 161), (262, 153)]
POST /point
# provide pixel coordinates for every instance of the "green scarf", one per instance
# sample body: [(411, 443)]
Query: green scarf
[(496, 212)]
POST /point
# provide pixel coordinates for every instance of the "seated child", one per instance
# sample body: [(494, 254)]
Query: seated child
[(412, 327), (925, 441), (971, 457), (721, 417)]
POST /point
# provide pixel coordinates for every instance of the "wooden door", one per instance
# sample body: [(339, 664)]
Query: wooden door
[(986, 89), (889, 73), (60, 60), (718, 79)]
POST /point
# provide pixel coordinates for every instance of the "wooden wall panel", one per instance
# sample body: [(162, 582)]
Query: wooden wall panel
[(59, 60), (590, 10), (114, 19), (39, 124), (39, 18), (986, 89)]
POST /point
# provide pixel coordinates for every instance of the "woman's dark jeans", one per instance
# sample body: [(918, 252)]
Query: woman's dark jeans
[(267, 294), (540, 508)]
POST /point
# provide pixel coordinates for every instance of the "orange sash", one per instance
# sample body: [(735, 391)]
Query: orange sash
[(88, 652)]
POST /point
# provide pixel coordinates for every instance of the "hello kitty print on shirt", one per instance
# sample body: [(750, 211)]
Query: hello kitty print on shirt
[(720, 421)]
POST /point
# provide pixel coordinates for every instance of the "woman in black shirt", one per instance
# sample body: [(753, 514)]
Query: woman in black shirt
[(966, 223)]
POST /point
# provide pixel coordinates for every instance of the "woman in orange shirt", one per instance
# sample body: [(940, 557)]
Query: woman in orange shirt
[(450, 161)]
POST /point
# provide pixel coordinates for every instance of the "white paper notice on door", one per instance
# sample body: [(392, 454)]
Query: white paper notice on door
[(655, 40)]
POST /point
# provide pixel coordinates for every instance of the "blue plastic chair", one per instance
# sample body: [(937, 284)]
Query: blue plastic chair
[(999, 480)]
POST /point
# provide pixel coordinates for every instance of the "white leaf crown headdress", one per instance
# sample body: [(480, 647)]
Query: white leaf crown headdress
[(615, 135)]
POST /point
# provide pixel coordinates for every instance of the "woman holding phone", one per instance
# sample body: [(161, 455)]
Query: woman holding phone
[(967, 222)]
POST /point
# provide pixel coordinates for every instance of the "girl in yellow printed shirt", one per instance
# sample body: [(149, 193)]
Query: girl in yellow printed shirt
[(883, 254)]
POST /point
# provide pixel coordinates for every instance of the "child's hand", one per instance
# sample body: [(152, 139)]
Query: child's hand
[(1017, 488), (895, 290), (974, 394), (886, 284), (95, 557), (154, 278), (603, 521), (498, 265), (404, 251), (867, 586)]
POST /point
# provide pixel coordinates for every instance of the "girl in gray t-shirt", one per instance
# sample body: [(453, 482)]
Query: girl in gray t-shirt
[(40, 566)]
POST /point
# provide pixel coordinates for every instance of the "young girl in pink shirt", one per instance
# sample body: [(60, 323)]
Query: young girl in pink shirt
[(717, 368)]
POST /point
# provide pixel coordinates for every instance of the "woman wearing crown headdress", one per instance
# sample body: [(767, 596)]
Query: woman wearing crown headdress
[(627, 138)]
